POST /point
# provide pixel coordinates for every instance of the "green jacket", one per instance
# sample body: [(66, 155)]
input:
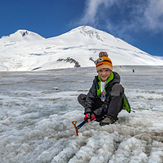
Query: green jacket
[(95, 92)]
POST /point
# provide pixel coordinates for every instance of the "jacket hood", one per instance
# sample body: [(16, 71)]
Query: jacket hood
[(116, 77)]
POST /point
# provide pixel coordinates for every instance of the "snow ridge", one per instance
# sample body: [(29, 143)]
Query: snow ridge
[(25, 50)]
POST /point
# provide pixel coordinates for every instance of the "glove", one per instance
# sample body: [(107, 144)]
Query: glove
[(93, 117), (89, 116)]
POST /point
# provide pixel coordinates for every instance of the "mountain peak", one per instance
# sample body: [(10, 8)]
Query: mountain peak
[(84, 28), (88, 31), (23, 32), (25, 50), (97, 34), (21, 35)]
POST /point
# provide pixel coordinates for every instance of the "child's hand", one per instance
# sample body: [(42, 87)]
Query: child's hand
[(93, 117), (90, 117)]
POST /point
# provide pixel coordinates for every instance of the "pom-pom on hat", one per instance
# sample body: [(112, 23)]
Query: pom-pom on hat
[(103, 61)]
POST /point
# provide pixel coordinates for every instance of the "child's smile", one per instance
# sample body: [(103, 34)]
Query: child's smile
[(104, 73)]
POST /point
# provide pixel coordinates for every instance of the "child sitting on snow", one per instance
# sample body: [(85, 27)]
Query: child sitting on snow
[(106, 97)]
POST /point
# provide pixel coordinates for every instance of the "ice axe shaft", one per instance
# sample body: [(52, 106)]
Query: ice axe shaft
[(79, 126)]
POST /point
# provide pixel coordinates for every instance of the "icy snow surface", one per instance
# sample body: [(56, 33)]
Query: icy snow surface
[(37, 109)]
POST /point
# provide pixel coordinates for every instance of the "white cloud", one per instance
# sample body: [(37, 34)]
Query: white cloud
[(91, 11), (142, 15), (154, 15)]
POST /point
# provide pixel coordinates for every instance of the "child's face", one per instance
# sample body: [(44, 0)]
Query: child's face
[(104, 73)]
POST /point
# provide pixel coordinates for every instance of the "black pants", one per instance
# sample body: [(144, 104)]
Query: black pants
[(114, 106)]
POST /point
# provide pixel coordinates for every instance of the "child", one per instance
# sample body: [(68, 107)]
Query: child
[(106, 97)]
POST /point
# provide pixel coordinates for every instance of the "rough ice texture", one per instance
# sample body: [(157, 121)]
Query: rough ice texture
[(35, 119)]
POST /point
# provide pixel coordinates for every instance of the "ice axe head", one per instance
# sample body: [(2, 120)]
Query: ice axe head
[(79, 126), (76, 129)]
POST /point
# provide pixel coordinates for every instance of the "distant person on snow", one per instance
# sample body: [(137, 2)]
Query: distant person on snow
[(106, 97)]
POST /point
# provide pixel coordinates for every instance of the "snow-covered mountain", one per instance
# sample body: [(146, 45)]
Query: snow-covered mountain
[(26, 51)]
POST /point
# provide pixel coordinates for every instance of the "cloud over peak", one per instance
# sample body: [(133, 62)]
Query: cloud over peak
[(124, 18)]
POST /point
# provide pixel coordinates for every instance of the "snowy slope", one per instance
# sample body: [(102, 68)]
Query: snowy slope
[(25, 50)]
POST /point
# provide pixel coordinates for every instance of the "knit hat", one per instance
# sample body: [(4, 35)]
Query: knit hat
[(103, 61)]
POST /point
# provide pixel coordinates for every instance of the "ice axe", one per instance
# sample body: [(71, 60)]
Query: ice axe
[(79, 126)]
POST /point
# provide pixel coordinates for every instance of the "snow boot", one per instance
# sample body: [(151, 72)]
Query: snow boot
[(107, 121)]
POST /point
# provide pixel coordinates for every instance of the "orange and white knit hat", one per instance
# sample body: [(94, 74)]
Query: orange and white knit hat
[(103, 61)]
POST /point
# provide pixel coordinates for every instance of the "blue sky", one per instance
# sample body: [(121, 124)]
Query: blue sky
[(138, 22)]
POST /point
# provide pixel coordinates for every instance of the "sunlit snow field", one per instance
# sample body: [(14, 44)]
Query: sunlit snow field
[(37, 110)]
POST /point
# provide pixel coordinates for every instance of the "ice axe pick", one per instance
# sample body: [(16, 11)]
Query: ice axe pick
[(79, 126)]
